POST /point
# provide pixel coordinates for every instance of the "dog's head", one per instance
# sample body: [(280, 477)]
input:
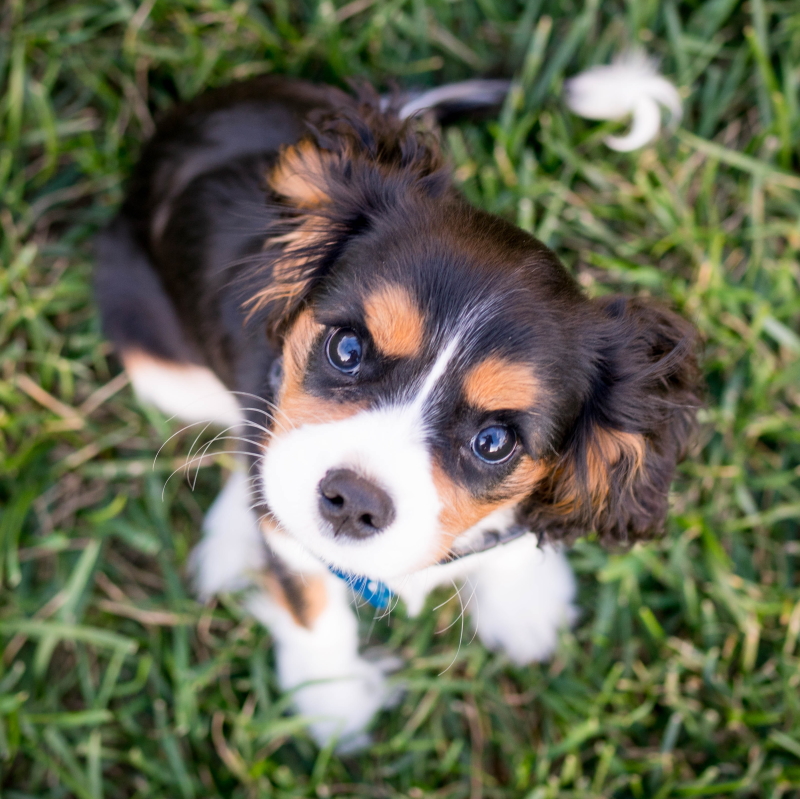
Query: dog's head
[(441, 368)]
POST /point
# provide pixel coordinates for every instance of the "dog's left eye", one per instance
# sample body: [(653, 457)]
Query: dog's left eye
[(495, 444), (344, 350)]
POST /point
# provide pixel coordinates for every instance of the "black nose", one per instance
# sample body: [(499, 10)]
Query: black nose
[(355, 507)]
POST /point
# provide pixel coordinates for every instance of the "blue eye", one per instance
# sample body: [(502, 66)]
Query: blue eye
[(344, 350), (495, 444)]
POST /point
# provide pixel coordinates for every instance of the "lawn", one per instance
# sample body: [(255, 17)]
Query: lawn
[(682, 675)]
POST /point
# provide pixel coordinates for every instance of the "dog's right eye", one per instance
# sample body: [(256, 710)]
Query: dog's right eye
[(495, 444), (344, 350)]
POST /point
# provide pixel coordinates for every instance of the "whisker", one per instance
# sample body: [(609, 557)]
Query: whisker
[(251, 423), (205, 450), (197, 438), (221, 437), (463, 607), (460, 617), (177, 433), (206, 424), (207, 446), (252, 396), (188, 464), (266, 402)]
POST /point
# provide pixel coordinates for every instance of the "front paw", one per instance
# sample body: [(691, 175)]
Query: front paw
[(520, 607), (232, 548), (220, 565), (530, 635), (341, 708)]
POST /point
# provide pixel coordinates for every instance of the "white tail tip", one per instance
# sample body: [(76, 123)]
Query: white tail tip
[(629, 86)]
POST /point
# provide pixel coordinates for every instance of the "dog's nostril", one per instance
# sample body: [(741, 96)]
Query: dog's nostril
[(354, 506), (334, 499)]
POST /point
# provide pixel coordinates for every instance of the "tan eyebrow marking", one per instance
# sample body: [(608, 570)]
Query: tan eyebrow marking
[(395, 322), (497, 384)]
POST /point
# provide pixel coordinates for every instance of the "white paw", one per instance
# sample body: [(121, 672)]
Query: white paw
[(218, 568), (341, 708), (522, 599), (231, 548), (337, 690)]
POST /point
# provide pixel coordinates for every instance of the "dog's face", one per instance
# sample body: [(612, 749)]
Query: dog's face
[(424, 385), (440, 366)]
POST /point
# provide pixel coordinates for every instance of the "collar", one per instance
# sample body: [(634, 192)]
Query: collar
[(375, 592), (378, 594), (489, 540)]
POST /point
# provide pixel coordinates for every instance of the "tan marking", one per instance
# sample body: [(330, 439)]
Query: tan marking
[(287, 282), (303, 596), (609, 449), (299, 408), (497, 384), (297, 347), (395, 322), (135, 358), (300, 175), (462, 510)]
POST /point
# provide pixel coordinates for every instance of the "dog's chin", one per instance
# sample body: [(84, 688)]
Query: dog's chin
[(372, 558)]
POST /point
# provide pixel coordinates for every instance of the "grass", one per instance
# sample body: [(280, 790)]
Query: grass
[(682, 677)]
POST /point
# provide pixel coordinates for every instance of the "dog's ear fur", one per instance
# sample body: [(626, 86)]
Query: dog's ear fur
[(327, 188), (613, 472)]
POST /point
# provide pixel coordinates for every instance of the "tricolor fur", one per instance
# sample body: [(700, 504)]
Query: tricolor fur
[(409, 371)]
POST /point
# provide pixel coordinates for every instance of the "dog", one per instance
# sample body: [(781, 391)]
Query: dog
[(422, 393)]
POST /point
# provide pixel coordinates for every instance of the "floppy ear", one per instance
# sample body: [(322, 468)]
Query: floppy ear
[(617, 461), (300, 241), (352, 167)]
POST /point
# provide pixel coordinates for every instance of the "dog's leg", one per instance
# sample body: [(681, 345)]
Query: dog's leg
[(306, 609), (164, 366), (184, 391), (521, 596), (316, 637), (232, 550)]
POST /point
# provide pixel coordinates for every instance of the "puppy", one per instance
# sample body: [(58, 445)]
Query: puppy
[(425, 393)]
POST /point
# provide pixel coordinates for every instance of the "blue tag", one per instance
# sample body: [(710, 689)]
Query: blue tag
[(375, 592)]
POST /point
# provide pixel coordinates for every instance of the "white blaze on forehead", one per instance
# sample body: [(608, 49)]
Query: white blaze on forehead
[(437, 371), (471, 324)]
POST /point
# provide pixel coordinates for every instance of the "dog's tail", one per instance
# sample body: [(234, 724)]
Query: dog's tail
[(629, 87), (451, 100)]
